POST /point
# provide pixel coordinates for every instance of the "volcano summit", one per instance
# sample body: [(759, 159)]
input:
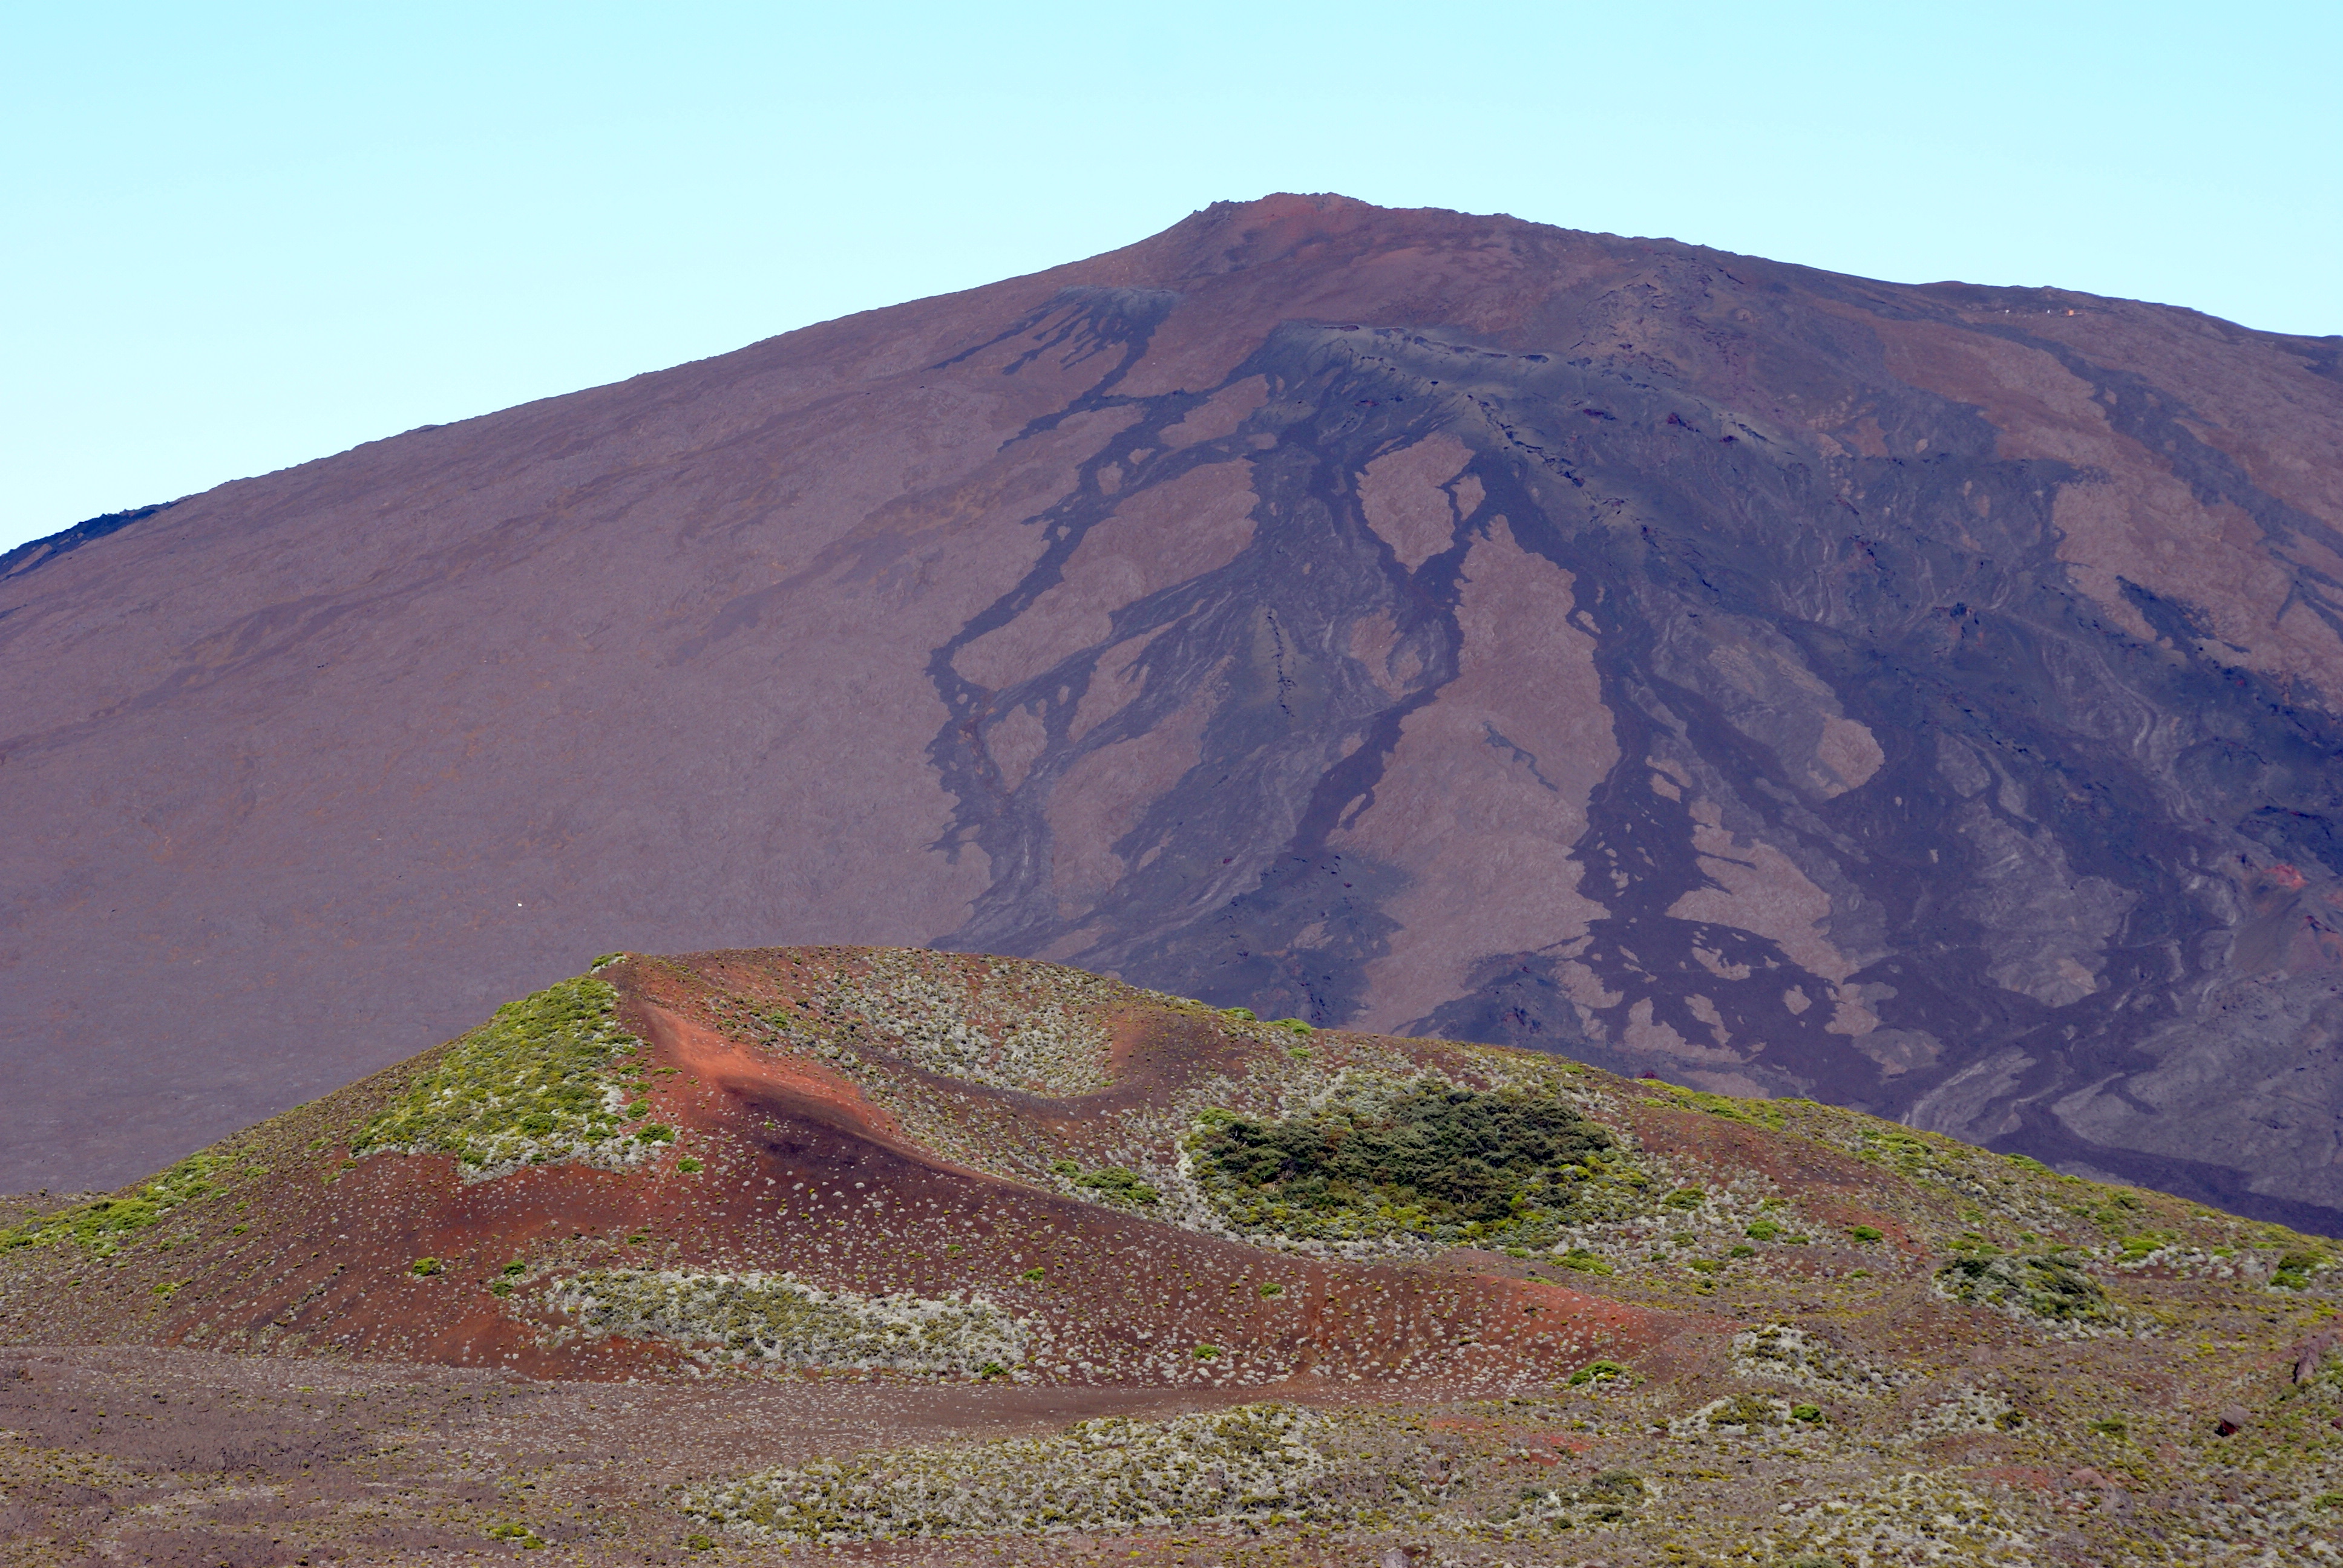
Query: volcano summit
[(1919, 698)]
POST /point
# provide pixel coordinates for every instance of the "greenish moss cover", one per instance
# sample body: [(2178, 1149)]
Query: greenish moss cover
[(547, 1078), (101, 1226), (1446, 1163)]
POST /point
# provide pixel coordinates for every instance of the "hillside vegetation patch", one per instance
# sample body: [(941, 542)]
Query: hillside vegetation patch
[(548, 1078), (2041, 1286), (1011, 1025), (1434, 1161), (779, 1320), (1250, 1464), (1787, 1354), (101, 1226)]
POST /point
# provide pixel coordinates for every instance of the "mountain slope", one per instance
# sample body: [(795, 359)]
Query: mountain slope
[(1330, 1285), (1921, 699)]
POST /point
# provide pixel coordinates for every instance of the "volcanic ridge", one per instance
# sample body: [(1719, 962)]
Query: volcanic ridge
[(915, 1256)]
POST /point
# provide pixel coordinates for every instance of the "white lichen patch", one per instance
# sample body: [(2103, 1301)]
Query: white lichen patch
[(1255, 1463), (779, 1320), (1919, 1517), (1782, 1353), (1017, 1026)]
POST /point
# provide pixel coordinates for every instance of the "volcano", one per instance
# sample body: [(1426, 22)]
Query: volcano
[(1922, 698)]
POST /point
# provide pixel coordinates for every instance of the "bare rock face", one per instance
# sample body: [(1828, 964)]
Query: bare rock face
[(1924, 699)]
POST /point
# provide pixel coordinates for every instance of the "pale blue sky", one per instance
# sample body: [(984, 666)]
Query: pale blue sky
[(234, 238)]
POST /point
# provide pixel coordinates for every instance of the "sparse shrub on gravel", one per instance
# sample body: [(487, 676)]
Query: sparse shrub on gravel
[(1432, 1160), (536, 1083), (1021, 1028), (1252, 1464), (1964, 1410), (1918, 1517), (1610, 1500), (779, 1320), (1791, 1354)]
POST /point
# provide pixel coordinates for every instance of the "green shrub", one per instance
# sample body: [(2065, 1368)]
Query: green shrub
[(1293, 1025), (1451, 1163), (1866, 1233), (1763, 1231), (689, 1166), (1810, 1413), (1597, 1371), (1118, 1185), (1588, 1263), (1685, 1198), (1206, 1353), (424, 1266)]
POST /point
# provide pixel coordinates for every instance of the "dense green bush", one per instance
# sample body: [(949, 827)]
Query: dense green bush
[(1441, 1161)]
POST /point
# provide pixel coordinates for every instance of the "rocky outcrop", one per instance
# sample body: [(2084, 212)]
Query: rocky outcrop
[(1924, 699)]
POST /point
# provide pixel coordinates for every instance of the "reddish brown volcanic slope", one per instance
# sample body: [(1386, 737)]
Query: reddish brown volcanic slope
[(781, 1162), (1922, 698)]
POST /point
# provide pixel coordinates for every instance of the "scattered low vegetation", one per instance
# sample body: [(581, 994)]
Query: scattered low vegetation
[(779, 1320), (1255, 1463), (1009, 1025), (1611, 1499), (1787, 1353)]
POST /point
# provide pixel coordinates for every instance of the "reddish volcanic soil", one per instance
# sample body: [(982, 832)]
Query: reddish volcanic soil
[(259, 1373), (802, 1172), (1918, 698)]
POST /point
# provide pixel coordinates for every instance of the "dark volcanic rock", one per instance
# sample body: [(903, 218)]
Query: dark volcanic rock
[(1920, 698)]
